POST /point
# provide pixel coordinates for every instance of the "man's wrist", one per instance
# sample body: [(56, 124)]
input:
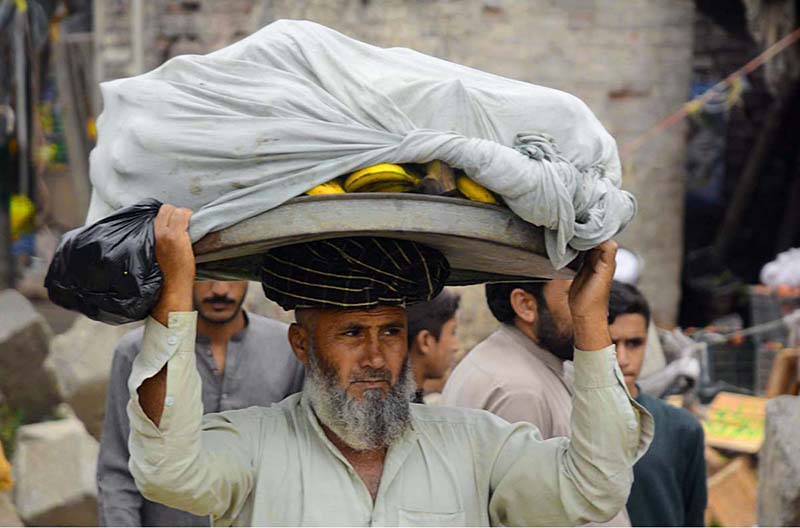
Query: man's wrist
[(174, 297), (591, 332)]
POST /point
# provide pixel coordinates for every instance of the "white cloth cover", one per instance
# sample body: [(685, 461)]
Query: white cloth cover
[(242, 130), (784, 270)]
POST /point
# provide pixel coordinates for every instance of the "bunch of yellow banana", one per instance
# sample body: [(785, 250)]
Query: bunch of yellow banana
[(384, 177), (474, 190), (388, 177)]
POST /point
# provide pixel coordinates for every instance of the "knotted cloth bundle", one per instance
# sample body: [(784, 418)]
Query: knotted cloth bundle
[(237, 132), (353, 273)]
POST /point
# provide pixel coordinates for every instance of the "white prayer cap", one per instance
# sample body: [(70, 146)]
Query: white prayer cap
[(629, 266)]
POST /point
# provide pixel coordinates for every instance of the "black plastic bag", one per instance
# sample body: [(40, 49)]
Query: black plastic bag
[(108, 270)]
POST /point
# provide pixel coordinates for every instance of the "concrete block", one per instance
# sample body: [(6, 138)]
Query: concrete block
[(24, 343), (54, 468), (80, 361), (779, 466)]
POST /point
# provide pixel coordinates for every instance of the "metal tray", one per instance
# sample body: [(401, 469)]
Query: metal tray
[(482, 242)]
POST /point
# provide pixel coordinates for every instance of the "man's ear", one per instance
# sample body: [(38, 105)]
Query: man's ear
[(300, 342), (426, 343), (524, 305)]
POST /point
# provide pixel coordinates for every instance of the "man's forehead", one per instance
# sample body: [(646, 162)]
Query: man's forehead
[(629, 325)]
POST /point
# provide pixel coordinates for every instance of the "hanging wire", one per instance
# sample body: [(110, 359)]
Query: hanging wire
[(790, 321)]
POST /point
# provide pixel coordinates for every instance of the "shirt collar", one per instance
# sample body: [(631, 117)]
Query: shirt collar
[(639, 393), (311, 416), (553, 362)]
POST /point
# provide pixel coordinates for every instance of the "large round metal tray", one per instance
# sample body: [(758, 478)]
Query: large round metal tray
[(482, 242)]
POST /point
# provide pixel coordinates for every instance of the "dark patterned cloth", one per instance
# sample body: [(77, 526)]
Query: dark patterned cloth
[(353, 272)]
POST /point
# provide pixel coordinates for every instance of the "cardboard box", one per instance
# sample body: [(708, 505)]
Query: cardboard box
[(735, 422)]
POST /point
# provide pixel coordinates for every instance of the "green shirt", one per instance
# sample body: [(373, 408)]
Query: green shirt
[(453, 467), (670, 480)]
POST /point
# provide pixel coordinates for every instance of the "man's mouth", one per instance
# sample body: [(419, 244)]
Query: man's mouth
[(370, 382), (219, 304)]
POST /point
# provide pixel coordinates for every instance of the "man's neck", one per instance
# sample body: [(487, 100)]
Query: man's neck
[(221, 333), (526, 329), (534, 346), (416, 364), (367, 463)]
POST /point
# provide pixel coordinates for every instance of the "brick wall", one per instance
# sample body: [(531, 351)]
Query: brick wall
[(629, 60)]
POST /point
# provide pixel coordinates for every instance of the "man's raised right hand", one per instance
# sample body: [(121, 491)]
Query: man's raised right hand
[(176, 259)]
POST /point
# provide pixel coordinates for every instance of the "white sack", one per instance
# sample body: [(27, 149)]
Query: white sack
[(239, 131)]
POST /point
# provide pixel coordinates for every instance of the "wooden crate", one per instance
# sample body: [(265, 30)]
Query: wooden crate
[(783, 378), (732, 495)]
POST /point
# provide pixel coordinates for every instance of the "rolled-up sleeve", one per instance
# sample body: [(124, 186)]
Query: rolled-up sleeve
[(174, 463), (586, 478)]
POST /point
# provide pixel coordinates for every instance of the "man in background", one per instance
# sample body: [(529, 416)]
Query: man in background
[(243, 360), (432, 340), (669, 487), (522, 372)]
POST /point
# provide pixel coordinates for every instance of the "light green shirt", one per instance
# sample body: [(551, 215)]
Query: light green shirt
[(454, 467)]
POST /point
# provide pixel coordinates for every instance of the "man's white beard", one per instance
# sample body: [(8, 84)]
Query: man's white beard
[(373, 422)]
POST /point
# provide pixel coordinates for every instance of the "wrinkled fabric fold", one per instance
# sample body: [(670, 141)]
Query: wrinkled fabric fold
[(242, 130)]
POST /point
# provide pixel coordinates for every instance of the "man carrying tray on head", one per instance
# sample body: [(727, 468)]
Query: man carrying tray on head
[(350, 449)]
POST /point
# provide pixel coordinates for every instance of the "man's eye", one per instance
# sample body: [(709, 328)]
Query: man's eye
[(352, 332), (392, 331), (635, 343)]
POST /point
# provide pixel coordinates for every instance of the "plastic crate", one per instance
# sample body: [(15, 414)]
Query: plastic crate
[(769, 304), (733, 363)]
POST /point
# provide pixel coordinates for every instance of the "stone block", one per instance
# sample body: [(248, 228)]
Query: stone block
[(80, 361), (24, 343), (54, 467), (779, 465)]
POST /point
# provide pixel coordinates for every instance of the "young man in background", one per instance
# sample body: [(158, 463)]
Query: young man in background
[(432, 339), (669, 487)]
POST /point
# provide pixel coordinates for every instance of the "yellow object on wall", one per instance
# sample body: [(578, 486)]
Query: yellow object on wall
[(23, 212), (6, 479)]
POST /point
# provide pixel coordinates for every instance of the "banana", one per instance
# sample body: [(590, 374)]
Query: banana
[(443, 174), (386, 173), (474, 191), (331, 187)]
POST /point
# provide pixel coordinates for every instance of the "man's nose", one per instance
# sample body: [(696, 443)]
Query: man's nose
[(219, 288), (374, 355), (622, 356)]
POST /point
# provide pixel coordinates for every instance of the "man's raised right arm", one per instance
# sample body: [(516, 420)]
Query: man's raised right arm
[(172, 459)]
